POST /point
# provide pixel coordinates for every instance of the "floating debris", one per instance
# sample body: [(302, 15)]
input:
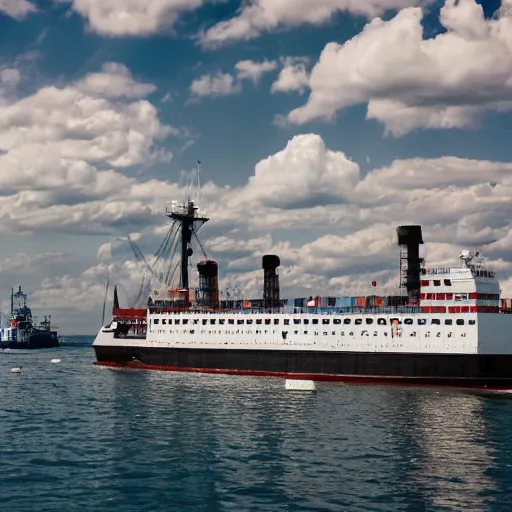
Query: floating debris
[(299, 385)]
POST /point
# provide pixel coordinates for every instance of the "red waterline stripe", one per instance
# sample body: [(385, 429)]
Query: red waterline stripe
[(351, 379)]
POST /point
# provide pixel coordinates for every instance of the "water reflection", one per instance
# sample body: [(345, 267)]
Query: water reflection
[(452, 456)]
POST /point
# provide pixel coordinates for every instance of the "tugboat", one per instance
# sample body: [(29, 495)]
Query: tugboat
[(21, 331)]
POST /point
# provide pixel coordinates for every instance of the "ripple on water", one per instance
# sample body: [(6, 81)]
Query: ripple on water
[(75, 436)]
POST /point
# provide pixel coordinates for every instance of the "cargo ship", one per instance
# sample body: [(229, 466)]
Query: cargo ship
[(21, 332), (446, 327)]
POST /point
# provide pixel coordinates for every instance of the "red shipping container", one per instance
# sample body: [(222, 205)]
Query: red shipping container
[(361, 302)]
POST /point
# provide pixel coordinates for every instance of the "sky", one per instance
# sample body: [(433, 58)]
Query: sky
[(321, 127)]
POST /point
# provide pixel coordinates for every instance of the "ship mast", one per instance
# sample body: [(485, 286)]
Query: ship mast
[(190, 219)]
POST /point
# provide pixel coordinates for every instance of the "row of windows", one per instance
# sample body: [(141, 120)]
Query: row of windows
[(436, 282), (314, 321), (459, 296), (315, 333)]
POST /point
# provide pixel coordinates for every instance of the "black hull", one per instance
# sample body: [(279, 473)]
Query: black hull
[(36, 341), (454, 370)]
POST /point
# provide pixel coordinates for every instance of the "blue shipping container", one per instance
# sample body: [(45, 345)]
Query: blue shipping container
[(344, 302)]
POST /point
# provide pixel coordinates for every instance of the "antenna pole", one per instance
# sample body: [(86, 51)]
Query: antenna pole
[(198, 181)]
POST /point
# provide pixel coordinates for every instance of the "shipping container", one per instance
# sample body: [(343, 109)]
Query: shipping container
[(373, 300), (299, 303), (344, 302), (361, 302), (329, 302)]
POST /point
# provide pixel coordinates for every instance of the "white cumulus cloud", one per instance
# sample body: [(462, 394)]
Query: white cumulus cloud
[(259, 16), (250, 70), (59, 148), (220, 84), (17, 9), (409, 82), (114, 81), (116, 18), (293, 76), (226, 84), (304, 173)]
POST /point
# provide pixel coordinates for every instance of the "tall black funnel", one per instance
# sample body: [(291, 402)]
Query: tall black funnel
[(271, 299), (409, 240)]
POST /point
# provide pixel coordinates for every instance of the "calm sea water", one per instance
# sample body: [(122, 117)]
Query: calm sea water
[(74, 436)]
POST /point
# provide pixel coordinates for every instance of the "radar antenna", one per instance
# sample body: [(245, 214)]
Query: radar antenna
[(469, 258)]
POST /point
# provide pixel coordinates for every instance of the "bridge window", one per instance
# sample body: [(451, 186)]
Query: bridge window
[(447, 282), (459, 321)]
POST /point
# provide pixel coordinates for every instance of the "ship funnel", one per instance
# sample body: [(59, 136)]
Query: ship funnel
[(115, 304), (409, 239), (271, 299), (208, 292)]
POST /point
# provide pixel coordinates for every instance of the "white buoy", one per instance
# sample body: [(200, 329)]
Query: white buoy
[(55, 361), (16, 370), (299, 385)]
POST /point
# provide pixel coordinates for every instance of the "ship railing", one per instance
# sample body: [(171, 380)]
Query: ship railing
[(316, 310)]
